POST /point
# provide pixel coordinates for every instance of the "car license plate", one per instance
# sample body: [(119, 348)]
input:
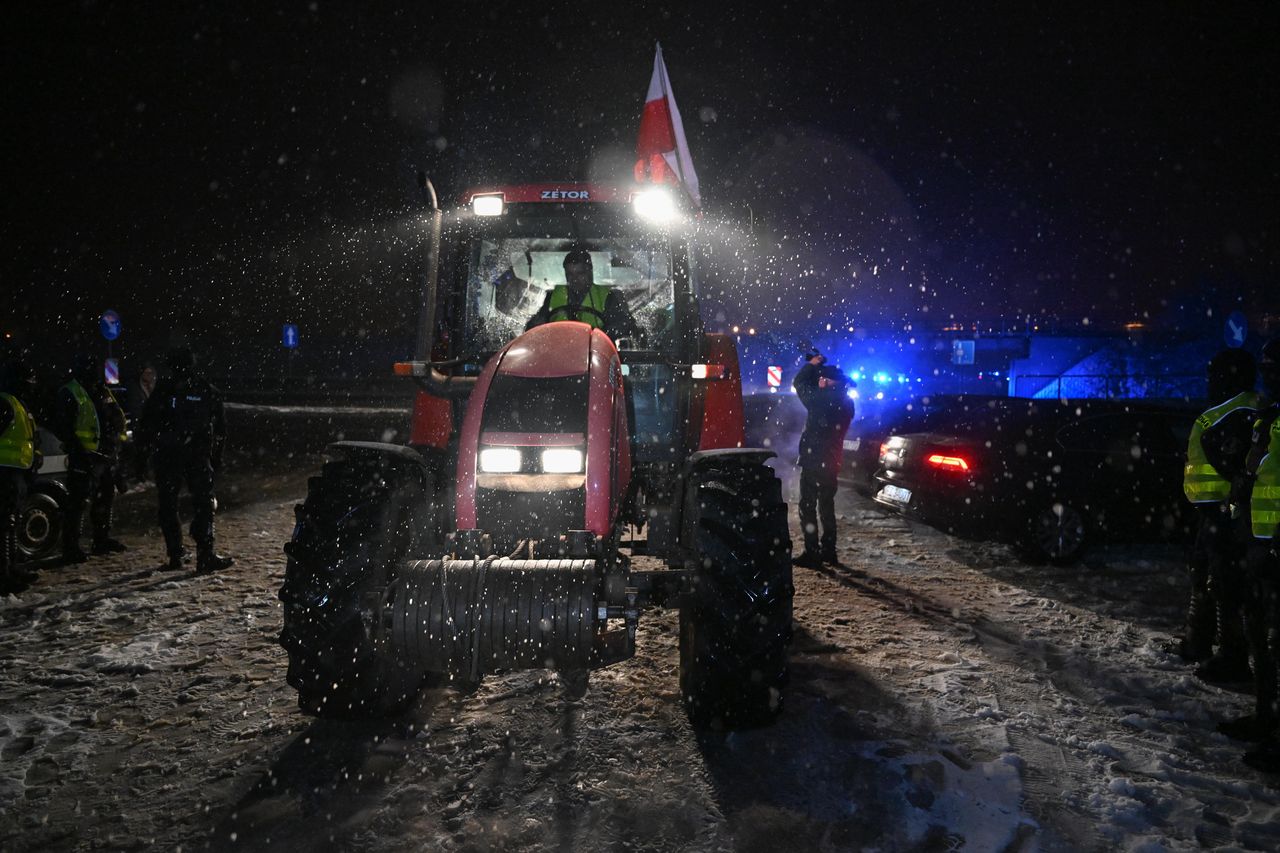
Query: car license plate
[(852, 444), (897, 494)]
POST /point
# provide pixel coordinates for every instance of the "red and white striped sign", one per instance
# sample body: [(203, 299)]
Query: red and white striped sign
[(775, 376)]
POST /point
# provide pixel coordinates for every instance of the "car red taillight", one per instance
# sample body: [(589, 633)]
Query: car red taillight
[(948, 463)]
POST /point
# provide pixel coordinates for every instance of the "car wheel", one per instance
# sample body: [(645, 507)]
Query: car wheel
[(1057, 533), (39, 526)]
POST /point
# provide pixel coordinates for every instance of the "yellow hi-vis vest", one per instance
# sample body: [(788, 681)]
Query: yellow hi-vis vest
[(87, 430), (17, 442), (595, 300), (1201, 482), (1264, 503), (123, 435)]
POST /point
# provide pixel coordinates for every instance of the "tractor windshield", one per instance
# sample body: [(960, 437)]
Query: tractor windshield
[(511, 271)]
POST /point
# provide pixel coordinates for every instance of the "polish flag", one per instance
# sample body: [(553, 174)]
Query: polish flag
[(662, 152)]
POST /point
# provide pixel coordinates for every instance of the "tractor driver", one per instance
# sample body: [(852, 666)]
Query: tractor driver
[(582, 299)]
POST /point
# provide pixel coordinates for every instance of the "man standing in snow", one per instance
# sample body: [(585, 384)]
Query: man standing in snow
[(19, 460), (1261, 522), (1215, 457), (75, 423), (183, 422), (823, 390)]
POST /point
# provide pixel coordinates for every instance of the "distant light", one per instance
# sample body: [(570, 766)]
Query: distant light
[(853, 393), (736, 330), (881, 377), (751, 331), (654, 205), (879, 395), (487, 205)]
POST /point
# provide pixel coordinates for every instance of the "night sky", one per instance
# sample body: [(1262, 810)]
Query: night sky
[(213, 170)]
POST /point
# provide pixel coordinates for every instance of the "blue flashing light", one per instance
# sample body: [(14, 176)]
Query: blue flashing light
[(881, 378)]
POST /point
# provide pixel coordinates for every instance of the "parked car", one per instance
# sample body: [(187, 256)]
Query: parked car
[(1051, 476), (40, 520), (866, 435)]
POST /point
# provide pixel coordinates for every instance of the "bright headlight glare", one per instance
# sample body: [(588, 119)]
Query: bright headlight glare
[(562, 460), (499, 460), (655, 205), (487, 205)]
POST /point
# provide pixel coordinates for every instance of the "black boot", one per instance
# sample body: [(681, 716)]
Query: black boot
[(808, 560), (176, 559), (107, 545), (208, 561), (1230, 664)]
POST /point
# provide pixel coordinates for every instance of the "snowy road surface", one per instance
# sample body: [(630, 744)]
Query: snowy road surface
[(944, 697)]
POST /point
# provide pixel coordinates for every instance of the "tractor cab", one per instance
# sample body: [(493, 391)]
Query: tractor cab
[(502, 256)]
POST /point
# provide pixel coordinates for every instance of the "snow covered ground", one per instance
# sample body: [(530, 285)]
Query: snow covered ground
[(945, 696)]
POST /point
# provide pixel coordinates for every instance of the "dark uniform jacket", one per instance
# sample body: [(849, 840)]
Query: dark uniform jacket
[(830, 412), (184, 413)]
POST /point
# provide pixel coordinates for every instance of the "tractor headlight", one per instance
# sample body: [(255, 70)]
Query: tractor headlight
[(499, 460), (562, 460), (655, 205), (487, 205)]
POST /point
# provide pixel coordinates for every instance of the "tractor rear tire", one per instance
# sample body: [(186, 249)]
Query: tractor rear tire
[(358, 523), (735, 619)]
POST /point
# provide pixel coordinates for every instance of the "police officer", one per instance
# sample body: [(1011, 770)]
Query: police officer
[(1262, 566), (106, 473), (580, 298), (1216, 453), (822, 388), (75, 423), (19, 460), (183, 422)]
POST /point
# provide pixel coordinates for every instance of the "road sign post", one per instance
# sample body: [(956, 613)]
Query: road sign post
[(289, 339), (1236, 329)]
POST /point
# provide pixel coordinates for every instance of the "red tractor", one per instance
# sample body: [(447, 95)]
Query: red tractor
[(556, 481)]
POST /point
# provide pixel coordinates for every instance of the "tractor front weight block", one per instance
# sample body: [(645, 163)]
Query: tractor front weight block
[(474, 617)]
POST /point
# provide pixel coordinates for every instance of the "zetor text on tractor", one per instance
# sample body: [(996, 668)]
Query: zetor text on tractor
[(546, 468)]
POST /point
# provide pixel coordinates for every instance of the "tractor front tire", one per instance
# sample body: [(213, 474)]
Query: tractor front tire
[(735, 619), (358, 523)]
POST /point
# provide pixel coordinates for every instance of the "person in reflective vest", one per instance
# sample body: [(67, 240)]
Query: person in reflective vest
[(105, 482), (581, 299), (1256, 496), (75, 422), (1215, 456), (19, 460)]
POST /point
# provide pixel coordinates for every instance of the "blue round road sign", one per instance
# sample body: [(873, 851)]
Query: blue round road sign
[(1236, 329), (109, 325)]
